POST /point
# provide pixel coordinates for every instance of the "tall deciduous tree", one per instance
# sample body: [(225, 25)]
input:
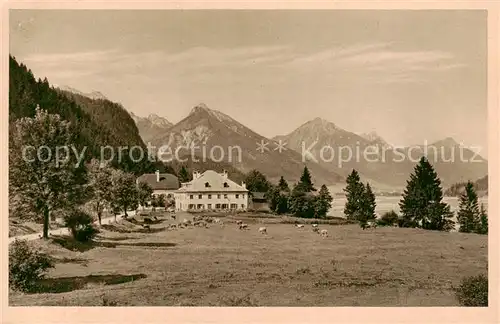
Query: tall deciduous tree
[(125, 193), (46, 181), (257, 182), (468, 214), (144, 192), (100, 184), (422, 205)]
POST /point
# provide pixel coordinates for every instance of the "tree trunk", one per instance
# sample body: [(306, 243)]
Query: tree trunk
[(46, 217), (99, 215)]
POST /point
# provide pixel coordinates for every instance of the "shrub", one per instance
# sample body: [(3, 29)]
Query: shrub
[(26, 266), (473, 291), (80, 225), (388, 219)]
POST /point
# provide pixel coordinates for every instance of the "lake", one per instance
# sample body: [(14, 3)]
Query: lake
[(385, 204)]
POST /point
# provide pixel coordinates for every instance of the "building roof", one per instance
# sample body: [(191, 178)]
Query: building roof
[(167, 181), (211, 181)]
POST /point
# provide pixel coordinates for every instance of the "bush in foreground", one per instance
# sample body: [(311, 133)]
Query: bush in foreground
[(26, 266), (388, 219), (80, 225), (473, 291)]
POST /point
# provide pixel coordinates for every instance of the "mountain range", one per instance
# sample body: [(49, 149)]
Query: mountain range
[(100, 121), (320, 138), (211, 130)]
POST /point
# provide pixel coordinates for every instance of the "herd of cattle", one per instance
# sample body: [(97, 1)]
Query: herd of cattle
[(207, 221)]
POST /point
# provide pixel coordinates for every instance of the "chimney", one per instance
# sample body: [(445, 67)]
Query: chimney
[(224, 173), (244, 185), (157, 175), (196, 174)]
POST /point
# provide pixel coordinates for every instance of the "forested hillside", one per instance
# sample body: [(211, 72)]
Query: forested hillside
[(95, 122)]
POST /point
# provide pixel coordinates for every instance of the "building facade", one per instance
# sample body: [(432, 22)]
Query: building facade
[(211, 191)]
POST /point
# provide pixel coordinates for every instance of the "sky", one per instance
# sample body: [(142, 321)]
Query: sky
[(408, 75)]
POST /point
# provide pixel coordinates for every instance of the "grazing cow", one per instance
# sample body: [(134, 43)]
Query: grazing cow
[(324, 233), (243, 226), (173, 216), (299, 225), (315, 229), (239, 222), (314, 225), (263, 230)]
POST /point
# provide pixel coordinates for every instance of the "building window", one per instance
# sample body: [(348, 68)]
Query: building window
[(226, 185), (218, 196), (191, 206), (234, 206), (225, 196), (200, 206), (209, 206), (209, 196), (190, 196), (242, 206), (200, 196), (224, 206), (237, 196), (217, 206), (243, 196), (207, 184)]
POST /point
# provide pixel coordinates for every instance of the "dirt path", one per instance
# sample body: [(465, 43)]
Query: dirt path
[(64, 230)]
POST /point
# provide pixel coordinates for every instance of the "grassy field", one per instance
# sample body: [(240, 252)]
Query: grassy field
[(225, 266)]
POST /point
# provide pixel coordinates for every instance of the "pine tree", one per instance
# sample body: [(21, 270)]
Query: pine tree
[(184, 175), (283, 185), (323, 202), (468, 214), (482, 225), (422, 205), (354, 194), (370, 203), (305, 182)]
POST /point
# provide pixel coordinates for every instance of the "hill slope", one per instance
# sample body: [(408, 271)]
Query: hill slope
[(95, 122)]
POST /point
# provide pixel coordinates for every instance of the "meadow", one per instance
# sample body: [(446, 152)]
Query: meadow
[(289, 266)]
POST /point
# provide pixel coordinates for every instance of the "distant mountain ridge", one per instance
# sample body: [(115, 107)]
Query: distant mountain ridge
[(209, 128), (151, 126), (92, 95), (480, 185), (393, 166)]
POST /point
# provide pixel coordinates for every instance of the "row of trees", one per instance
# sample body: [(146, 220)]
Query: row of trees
[(56, 182), (421, 206), (303, 200)]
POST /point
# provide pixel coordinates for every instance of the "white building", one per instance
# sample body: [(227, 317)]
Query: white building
[(211, 191)]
